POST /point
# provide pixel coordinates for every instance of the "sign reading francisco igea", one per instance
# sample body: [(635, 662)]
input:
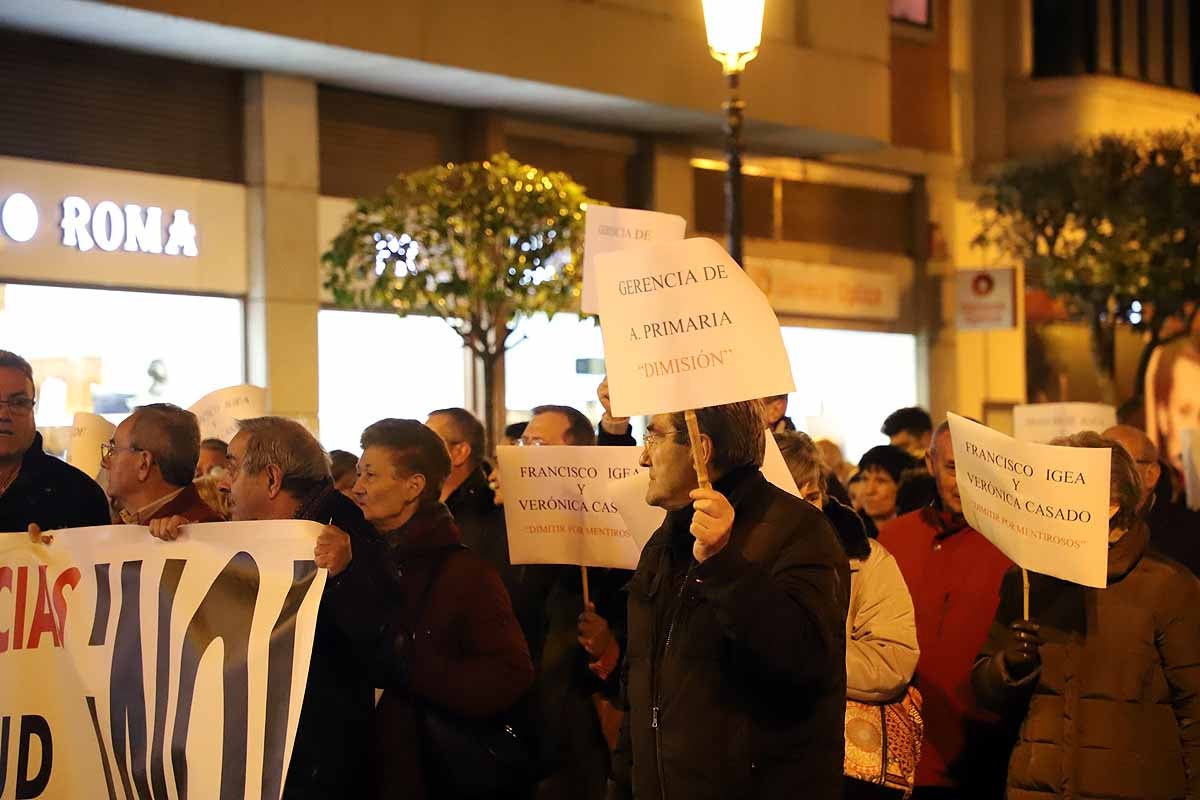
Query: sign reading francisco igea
[(106, 226)]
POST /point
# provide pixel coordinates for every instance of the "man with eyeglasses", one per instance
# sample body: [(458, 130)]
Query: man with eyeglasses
[(37, 489), (736, 671), (151, 460)]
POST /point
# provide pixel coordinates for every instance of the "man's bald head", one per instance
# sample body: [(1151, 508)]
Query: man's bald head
[(1145, 455), (1135, 442)]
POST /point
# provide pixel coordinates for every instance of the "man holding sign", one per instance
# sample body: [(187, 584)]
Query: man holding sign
[(1109, 675), (735, 673)]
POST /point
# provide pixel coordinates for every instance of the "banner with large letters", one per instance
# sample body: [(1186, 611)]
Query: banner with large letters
[(135, 668)]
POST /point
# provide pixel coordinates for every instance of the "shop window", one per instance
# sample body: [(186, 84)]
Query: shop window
[(105, 351), (558, 361), (605, 174), (758, 203), (847, 382), (375, 365), (847, 216)]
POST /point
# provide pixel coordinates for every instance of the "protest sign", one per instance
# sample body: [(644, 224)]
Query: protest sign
[(219, 411), (557, 508), (88, 432), (1190, 439), (131, 667), (608, 228), (685, 328), (1041, 422), (1045, 507)]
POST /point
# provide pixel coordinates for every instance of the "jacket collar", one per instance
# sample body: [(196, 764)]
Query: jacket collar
[(473, 495), (944, 523), (431, 528), (311, 505)]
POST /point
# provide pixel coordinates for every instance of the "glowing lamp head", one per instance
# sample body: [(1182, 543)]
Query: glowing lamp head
[(734, 31)]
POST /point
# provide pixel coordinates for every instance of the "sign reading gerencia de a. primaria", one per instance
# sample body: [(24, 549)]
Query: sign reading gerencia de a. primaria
[(106, 226)]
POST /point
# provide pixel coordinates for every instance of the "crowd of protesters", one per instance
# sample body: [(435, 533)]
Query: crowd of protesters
[(859, 640)]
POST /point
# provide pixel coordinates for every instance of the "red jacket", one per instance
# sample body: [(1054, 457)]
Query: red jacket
[(954, 576)]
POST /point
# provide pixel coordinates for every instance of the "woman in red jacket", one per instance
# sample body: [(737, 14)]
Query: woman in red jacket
[(457, 658)]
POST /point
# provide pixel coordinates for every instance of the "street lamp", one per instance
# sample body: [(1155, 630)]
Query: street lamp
[(734, 34)]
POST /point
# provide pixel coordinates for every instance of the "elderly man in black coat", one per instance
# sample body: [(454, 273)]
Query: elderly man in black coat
[(735, 674)]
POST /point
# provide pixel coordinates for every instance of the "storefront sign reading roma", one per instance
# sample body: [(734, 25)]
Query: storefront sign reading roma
[(107, 226)]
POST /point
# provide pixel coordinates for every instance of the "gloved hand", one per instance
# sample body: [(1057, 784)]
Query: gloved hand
[(1021, 656)]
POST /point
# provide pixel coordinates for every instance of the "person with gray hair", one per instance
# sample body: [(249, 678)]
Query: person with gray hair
[(1106, 680), (276, 469), (735, 673), (37, 491), (151, 460)]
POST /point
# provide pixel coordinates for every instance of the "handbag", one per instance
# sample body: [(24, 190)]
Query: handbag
[(469, 758), (883, 741)]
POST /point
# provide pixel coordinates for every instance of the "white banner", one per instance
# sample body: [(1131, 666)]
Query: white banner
[(88, 432), (1045, 507), (131, 667), (684, 327), (1041, 422), (557, 508), (219, 411), (609, 228)]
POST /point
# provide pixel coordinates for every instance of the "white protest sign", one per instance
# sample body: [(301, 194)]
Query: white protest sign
[(180, 666), (88, 432), (1190, 439), (1041, 422), (1045, 507), (608, 228), (685, 328), (775, 468), (219, 411), (556, 506)]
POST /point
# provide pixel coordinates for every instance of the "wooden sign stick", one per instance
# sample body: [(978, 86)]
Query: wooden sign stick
[(1025, 592), (693, 427)]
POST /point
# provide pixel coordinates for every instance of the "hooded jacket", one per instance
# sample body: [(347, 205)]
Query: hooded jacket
[(1114, 710), (735, 672)]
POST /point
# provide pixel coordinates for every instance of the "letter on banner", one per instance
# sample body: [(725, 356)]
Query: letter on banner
[(684, 327), (1041, 422), (219, 411), (557, 506), (151, 668), (609, 228), (1045, 507), (88, 432)]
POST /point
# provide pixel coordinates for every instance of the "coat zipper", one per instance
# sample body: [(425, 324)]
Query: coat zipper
[(657, 688)]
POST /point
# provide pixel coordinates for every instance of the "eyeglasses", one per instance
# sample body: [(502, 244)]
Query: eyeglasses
[(108, 448), (654, 438), (19, 406)]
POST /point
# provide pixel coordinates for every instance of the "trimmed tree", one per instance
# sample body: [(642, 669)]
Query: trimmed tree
[(1113, 228), (480, 245)]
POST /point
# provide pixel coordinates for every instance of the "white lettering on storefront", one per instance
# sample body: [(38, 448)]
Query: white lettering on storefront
[(108, 226)]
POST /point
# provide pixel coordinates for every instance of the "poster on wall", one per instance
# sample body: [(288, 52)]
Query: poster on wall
[(985, 299), (135, 666), (1044, 507)]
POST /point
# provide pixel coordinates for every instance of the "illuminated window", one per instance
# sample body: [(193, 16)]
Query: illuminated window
[(847, 382), (106, 351)]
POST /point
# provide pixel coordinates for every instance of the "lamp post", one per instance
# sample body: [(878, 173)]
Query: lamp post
[(734, 33)]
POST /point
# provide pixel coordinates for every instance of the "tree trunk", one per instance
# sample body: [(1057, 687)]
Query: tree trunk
[(495, 409), (1104, 350)]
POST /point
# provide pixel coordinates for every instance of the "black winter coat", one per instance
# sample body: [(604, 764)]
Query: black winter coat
[(330, 754), (52, 494), (1114, 711), (736, 668)]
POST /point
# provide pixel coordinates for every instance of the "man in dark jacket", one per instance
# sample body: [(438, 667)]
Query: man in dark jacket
[(735, 675), (37, 488), (277, 470), (1107, 680)]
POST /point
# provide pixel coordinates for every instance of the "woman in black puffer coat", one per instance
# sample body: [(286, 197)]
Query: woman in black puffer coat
[(1107, 680)]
